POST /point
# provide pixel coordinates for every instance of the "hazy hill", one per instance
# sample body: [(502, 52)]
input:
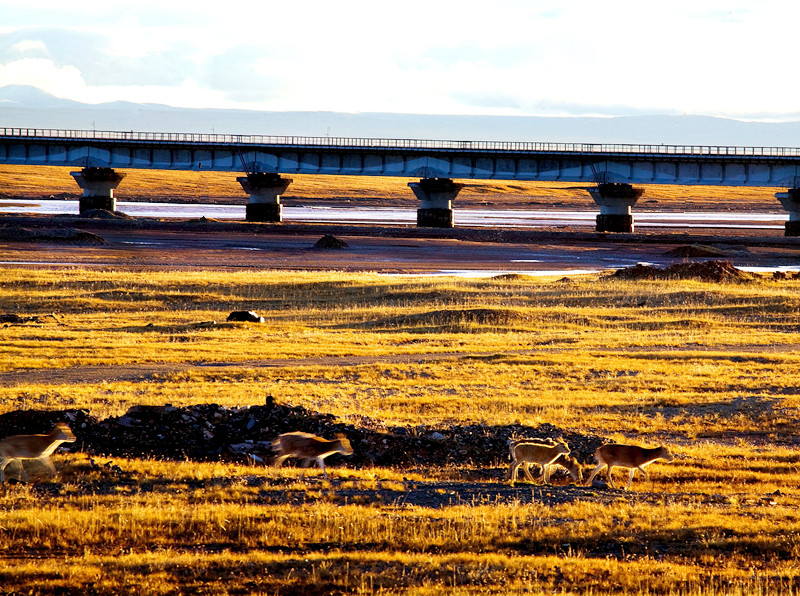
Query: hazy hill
[(32, 108)]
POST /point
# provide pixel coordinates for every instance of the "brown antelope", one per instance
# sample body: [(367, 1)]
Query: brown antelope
[(309, 447), (41, 447), (633, 457), (571, 465), (533, 452)]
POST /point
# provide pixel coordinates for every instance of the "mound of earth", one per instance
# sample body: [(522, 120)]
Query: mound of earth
[(106, 214), (696, 250), (328, 242), (61, 235), (210, 432), (714, 271)]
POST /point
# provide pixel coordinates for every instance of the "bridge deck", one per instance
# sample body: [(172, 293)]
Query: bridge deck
[(412, 158)]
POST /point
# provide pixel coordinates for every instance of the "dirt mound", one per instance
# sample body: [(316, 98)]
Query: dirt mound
[(106, 214), (714, 271), (210, 432), (452, 318), (59, 235), (328, 242), (696, 250)]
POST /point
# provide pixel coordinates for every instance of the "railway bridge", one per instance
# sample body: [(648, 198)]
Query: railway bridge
[(265, 162)]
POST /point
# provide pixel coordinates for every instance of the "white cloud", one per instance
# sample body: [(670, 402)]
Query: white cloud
[(27, 47), (44, 74)]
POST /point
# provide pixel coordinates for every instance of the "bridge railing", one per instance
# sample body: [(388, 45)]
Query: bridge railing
[(379, 143)]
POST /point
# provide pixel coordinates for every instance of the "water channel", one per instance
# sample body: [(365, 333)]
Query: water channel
[(493, 218)]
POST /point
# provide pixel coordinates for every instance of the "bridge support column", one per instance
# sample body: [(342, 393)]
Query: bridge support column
[(615, 201), (790, 200), (436, 195), (265, 190), (98, 186)]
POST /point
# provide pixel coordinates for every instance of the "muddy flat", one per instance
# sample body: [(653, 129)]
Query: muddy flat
[(162, 244)]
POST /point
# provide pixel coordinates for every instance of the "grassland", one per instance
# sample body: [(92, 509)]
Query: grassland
[(710, 369)]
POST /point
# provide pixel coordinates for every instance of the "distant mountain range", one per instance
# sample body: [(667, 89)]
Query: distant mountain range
[(32, 108)]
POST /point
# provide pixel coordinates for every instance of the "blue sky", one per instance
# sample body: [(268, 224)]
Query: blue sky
[(731, 58)]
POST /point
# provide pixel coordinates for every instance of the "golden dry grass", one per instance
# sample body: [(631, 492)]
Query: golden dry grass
[(708, 368)]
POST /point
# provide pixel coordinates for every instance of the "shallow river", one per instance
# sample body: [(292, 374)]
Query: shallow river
[(494, 218)]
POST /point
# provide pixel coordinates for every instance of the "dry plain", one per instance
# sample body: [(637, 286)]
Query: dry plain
[(707, 367)]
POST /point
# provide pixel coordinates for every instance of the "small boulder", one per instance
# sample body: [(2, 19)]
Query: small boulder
[(245, 316)]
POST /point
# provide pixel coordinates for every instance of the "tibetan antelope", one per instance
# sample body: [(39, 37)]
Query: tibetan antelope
[(41, 447), (571, 465), (527, 452), (615, 455), (309, 447)]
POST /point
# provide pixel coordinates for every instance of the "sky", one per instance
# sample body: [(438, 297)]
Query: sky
[(729, 58)]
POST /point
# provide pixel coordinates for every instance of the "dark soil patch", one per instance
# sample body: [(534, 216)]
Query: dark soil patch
[(210, 432), (56, 235), (713, 271), (15, 319)]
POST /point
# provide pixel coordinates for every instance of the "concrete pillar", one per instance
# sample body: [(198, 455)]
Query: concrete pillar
[(436, 195), (98, 186), (615, 201), (265, 190), (791, 202)]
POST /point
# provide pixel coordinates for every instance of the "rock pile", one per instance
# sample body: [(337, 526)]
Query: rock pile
[(210, 432)]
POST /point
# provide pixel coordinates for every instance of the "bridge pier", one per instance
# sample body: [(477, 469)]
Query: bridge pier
[(98, 186), (436, 195), (790, 200), (615, 201), (265, 190)]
